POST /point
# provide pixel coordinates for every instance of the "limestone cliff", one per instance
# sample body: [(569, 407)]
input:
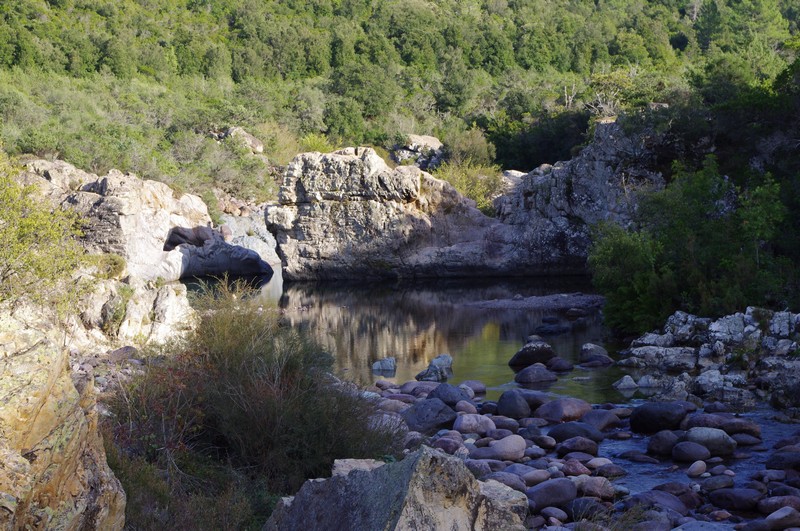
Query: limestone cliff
[(53, 471), (348, 215)]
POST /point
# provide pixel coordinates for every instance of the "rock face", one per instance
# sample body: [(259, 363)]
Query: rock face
[(426, 490), (160, 235), (53, 471), (348, 215)]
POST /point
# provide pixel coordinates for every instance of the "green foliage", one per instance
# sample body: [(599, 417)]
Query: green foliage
[(245, 393), (704, 247), (316, 142), (39, 251), (107, 265), (479, 182)]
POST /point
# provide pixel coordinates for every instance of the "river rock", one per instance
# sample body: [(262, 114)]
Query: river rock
[(508, 479), (535, 374), (674, 359), (449, 394), (513, 404), (717, 441), (696, 469), (385, 365), (625, 383), (426, 490), (511, 448), (735, 499), (559, 364), (656, 416), (773, 503), (530, 353), (573, 467), (601, 419), (568, 430), (784, 518), (662, 443), (563, 409), (577, 444), (598, 487), (689, 452), (53, 471), (473, 423), (478, 387), (552, 493), (427, 416)]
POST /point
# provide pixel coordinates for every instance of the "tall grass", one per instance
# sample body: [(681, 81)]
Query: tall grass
[(246, 404)]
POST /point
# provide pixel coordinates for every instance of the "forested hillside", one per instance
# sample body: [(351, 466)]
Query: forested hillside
[(138, 84)]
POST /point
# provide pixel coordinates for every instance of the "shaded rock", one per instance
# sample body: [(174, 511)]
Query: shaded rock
[(696, 469), (656, 416), (601, 419), (598, 487), (427, 416), (426, 490), (735, 499), (568, 430), (510, 480), (552, 493), (716, 483), (675, 359), (53, 470), (465, 406), (530, 353), (662, 443), (478, 387), (563, 409), (784, 518), (625, 383), (559, 364), (473, 423), (449, 394), (573, 467), (577, 444), (656, 499), (773, 503), (511, 448), (512, 404), (717, 441), (534, 374), (385, 365), (611, 470), (689, 452)]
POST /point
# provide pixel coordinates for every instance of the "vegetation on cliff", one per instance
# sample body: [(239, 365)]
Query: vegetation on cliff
[(39, 250)]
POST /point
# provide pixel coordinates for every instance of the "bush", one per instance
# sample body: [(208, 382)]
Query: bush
[(39, 250), (245, 396), (481, 183)]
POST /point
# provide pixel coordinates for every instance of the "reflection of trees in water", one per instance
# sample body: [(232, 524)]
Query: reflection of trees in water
[(363, 324)]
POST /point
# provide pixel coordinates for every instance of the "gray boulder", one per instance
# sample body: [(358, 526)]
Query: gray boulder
[(512, 404), (552, 493), (530, 353), (427, 416), (717, 441), (656, 416), (535, 374), (426, 490)]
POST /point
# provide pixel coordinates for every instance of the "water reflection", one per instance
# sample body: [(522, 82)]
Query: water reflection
[(415, 322)]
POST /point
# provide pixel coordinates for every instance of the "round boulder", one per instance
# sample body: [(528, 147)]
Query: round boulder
[(533, 374), (656, 416), (427, 416), (449, 394), (512, 404), (689, 452), (717, 441), (552, 493), (473, 423), (563, 409), (532, 352)]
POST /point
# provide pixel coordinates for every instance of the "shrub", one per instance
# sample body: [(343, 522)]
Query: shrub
[(481, 183), (316, 142), (39, 250), (245, 396)]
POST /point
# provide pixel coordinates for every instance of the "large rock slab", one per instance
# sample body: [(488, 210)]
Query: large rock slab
[(426, 490), (348, 215), (53, 470)]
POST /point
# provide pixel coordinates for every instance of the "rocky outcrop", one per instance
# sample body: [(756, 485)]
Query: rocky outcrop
[(736, 358), (136, 218), (425, 152), (426, 490), (53, 471), (348, 215)]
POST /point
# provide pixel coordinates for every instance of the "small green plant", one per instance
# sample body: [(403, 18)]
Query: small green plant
[(316, 142), (116, 309), (107, 265), (39, 250), (478, 182)]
